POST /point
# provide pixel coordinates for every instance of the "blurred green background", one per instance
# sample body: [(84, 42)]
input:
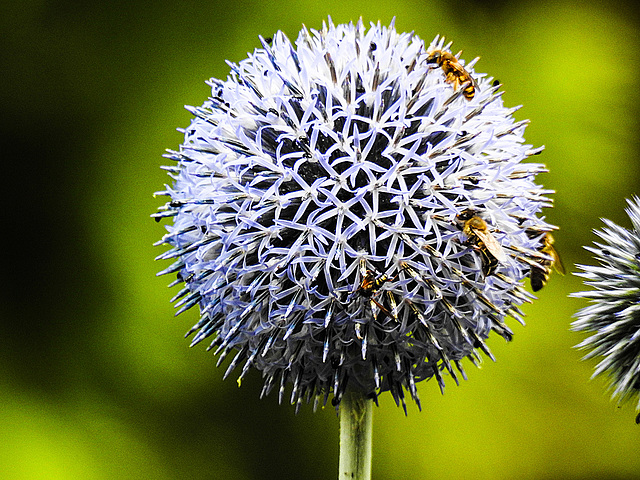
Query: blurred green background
[(96, 381)]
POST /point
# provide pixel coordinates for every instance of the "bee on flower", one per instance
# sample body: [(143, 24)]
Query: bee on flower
[(316, 204)]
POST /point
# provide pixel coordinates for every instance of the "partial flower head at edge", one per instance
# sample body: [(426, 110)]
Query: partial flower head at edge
[(613, 316)]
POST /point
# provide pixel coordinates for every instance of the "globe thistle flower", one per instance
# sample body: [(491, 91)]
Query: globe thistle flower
[(352, 212), (614, 314)]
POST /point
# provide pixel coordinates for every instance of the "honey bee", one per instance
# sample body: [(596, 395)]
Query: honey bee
[(454, 72), (477, 231), (540, 276)]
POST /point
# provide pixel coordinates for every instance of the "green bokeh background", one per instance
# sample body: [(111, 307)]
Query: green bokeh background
[(96, 381)]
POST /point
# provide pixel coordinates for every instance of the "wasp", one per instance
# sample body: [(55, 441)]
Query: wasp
[(540, 275), (478, 234), (454, 72), (369, 286)]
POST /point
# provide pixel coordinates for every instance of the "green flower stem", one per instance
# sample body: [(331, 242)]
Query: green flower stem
[(356, 424)]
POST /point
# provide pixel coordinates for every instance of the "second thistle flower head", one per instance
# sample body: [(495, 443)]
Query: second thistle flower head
[(352, 211), (613, 317)]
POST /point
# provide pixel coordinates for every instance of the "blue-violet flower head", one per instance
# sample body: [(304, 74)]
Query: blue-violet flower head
[(613, 316), (353, 212)]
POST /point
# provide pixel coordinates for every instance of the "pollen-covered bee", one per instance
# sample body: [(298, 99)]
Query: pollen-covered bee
[(454, 72), (540, 276), (478, 234)]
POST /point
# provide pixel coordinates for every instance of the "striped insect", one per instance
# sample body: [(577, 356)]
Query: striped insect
[(454, 72)]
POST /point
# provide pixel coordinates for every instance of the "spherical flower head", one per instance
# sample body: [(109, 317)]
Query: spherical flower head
[(614, 314), (352, 211)]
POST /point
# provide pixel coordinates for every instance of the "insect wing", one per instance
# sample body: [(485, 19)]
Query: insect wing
[(557, 261), (491, 244), (458, 70)]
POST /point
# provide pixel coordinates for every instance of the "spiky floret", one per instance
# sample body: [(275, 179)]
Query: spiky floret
[(317, 204), (614, 314)]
